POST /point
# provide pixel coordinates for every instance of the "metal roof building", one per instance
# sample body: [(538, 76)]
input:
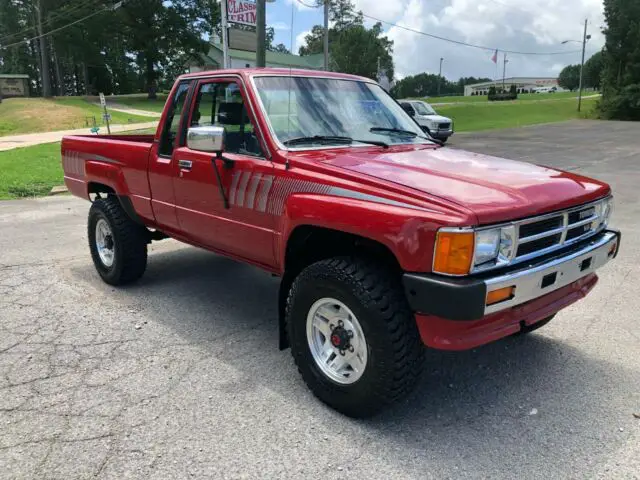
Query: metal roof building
[(247, 59), (523, 85)]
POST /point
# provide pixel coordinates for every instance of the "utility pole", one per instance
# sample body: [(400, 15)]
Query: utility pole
[(326, 35), (504, 68), (225, 34), (440, 75), (584, 43), (44, 55), (261, 20)]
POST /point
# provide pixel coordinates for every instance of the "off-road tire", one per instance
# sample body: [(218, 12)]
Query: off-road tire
[(532, 328), (130, 240), (395, 350)]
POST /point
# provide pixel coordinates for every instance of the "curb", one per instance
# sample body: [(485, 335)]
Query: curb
[(58, 189)]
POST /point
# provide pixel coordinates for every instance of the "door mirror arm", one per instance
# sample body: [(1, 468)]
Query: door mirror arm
[(214, 161)]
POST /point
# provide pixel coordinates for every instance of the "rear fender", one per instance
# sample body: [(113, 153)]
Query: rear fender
[(107, 174)]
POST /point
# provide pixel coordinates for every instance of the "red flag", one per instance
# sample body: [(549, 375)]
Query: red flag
[(494, 58)]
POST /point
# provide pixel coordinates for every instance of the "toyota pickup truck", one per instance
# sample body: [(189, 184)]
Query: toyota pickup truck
[(385, 241)]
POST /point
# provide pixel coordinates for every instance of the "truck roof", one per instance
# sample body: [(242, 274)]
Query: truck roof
[(251, 72)]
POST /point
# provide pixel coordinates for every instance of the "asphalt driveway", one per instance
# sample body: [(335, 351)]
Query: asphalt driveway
[(179, 376)]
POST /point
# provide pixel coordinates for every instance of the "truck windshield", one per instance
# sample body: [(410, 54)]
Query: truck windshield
[(313, 108), (424, 108)]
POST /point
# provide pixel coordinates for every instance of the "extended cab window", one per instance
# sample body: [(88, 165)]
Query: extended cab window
[(221, 104), (172, 122)]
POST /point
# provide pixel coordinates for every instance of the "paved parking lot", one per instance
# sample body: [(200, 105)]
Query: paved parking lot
[(179, 376)]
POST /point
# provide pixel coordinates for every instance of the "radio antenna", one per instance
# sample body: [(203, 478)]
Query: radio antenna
[(293, 9)]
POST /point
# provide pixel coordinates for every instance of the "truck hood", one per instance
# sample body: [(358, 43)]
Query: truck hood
[(435, 118), (494, 189)]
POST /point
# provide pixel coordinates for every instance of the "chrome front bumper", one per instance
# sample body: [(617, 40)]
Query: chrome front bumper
[(533, 282), (465, 298)]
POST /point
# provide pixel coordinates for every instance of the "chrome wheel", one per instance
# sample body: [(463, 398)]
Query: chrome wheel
[(105, 243), (336, 341)]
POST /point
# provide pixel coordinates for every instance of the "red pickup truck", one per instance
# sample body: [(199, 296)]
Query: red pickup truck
[(384, 240)]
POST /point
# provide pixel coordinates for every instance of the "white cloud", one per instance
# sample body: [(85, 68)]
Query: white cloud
[(518, 25), (300, 40), (280, 26), (302, 4)]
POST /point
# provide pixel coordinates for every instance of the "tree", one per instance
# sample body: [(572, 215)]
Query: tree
[(593, 70), (569, 77), (270, 34), (160, 33), (353, 47), (621, 59), (426, 84)]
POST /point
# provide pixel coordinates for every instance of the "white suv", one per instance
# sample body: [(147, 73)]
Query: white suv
[(435, 125)]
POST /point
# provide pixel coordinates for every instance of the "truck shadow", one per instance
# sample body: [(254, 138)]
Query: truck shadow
[(522, 396)]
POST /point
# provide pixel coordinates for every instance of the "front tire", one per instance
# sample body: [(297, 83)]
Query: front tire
[(117, 244), (353, 336)]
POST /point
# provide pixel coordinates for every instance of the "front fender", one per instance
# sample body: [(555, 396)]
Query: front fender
[(409, 233)]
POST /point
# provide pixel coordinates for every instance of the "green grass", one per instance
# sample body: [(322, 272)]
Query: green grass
[(32, 115), (30, 171), (488, 116), (524, 97), (139, 101)]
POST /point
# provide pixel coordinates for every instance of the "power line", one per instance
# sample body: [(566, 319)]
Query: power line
[(450, 40), (458, 42), (113, 7), (55, 15)]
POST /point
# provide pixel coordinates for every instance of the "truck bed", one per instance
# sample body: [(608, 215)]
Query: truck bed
[(117, 161)]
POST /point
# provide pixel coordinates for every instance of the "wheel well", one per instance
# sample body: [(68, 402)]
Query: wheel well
[(95, 187), (309, 244)]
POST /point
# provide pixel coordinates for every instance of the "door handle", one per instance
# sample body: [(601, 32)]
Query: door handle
[(185, 164)]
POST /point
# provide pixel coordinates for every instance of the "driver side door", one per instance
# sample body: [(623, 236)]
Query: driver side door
[(244, 229)]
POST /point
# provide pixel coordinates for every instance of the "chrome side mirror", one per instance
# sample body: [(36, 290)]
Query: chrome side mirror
[(206, 139)]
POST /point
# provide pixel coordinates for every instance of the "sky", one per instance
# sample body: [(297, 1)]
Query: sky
[(518, 25)]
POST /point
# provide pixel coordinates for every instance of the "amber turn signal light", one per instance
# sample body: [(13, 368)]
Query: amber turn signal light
[(500, 295), (453, 253)]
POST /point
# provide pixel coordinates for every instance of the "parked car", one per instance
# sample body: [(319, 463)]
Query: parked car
[(384, 241), (435, 125), (545, 90)]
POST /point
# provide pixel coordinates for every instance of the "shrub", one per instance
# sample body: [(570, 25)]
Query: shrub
[(622, 105)]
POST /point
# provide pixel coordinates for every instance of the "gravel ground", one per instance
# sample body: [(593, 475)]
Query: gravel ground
[(179, 376)]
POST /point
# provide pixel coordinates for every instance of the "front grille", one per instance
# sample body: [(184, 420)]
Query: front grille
[(444, 126), (535, 228), (578, 231), (535, 245), (537, 236), (575, 217)]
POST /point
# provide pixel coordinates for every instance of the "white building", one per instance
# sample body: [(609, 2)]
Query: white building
[(523, 85)]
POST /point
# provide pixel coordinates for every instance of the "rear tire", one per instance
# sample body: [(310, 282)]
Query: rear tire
[(118, 245), (381, 325), (532, 328)]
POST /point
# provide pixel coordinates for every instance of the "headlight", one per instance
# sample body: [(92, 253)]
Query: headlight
[(487, 245), (459, 251), (607, 209)]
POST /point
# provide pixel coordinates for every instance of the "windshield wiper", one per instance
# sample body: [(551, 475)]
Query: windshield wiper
[(331, 139), (393, 130), (404, 132)]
